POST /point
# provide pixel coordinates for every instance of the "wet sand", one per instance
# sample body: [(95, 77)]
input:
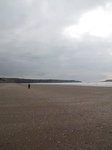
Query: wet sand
[(55, 117)]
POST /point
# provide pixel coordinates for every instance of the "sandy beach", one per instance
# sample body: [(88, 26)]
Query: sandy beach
[(55, 117)]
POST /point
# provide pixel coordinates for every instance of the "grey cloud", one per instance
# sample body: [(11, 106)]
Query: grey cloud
[(32, 44), (12, 14)]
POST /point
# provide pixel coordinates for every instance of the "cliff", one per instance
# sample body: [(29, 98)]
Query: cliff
[(20, 80)]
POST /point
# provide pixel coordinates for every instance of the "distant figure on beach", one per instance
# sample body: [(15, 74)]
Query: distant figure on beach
[(28, 86)]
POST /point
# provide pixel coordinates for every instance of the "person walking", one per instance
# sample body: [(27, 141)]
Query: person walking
[(28, 86)]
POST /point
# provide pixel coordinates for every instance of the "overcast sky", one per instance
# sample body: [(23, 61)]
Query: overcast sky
[(56, 39)]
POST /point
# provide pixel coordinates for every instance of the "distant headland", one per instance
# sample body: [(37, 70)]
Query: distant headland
[(22, 80), (110, 80)]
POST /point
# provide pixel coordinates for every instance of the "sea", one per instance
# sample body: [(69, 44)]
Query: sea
[(97, 84)]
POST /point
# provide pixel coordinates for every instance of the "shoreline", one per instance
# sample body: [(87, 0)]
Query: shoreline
[(94, 84), (86, 84)]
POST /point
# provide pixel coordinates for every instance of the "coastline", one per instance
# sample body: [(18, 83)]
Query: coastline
[(94, 84), (55, 117)]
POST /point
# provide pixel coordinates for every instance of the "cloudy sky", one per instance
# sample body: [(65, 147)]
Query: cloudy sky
[(56, 39)]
